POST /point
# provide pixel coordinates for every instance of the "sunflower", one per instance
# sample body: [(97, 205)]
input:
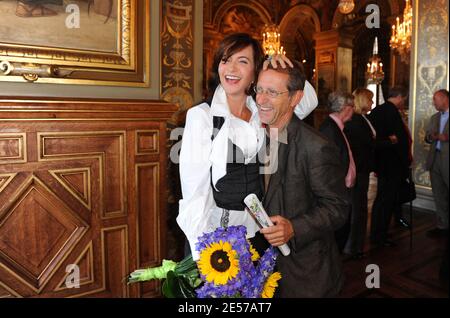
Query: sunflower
[(254, 252), (219, 263), (270, 285)]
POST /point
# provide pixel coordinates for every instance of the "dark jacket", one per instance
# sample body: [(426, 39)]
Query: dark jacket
[(308, 189), (390, 159), (362, 143), (331, 130)]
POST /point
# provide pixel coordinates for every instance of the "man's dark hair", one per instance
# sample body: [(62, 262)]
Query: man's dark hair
[(229, 46), (296, 74), (443, 92), (397, 91)]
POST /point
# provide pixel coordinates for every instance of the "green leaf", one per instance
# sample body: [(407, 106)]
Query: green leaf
[(177, 287)]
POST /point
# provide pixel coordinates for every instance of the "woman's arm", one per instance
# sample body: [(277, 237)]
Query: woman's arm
[(195, 175)]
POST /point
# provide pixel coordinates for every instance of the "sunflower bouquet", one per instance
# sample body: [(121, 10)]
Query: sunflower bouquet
[(228, 267)]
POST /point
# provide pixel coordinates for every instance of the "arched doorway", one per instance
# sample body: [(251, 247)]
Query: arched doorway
[(297, 29)]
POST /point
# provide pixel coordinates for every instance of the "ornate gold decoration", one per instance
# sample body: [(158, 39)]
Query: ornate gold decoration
[(127, 66), (272, 40), (346, 6), (177, 52), (401, 33)]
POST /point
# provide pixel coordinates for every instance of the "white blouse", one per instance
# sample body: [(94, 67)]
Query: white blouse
[(203, 160)]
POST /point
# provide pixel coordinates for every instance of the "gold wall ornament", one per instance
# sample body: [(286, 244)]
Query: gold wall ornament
[(177, 53), (125, 63), (401, 33)]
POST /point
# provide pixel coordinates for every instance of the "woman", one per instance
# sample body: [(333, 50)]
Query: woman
[(361, 136), (221, 140), (341, 105)]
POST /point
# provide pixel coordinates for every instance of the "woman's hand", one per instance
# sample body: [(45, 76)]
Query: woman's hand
[(275, 59)]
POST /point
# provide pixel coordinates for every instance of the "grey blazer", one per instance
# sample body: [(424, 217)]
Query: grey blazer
[(309, 189), (433, 127)]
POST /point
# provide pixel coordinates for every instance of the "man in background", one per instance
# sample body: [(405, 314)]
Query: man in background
[(392, 162), (437, 161)]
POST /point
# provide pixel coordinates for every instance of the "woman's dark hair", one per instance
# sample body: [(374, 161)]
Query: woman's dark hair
[(229, 46)]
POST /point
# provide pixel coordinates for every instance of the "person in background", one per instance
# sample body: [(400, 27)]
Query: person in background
[(437, 162), (342, 106), (392, 162), (306, 196), (361, 137)]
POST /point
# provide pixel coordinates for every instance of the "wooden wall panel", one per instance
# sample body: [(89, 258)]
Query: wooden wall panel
[(81, 183)]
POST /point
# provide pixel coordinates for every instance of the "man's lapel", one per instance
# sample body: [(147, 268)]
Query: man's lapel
[(276, 178)]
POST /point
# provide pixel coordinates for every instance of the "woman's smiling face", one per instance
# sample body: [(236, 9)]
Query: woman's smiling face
[(237, 72)]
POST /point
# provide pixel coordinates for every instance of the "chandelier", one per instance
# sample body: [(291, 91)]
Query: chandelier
[(346, 6), (374, 72), (401, 33), (272, 40)]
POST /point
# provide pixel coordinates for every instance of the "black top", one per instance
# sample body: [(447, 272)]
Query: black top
[(240, 179), (362, 143)]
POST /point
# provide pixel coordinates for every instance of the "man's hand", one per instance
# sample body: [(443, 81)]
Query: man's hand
[(393, 139), (275, 59), (280, 233), (442, 137)]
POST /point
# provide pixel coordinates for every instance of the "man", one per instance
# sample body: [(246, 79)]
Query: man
[(341, 105), (437, 161), (305, 195), (391, 162), (398, 213)]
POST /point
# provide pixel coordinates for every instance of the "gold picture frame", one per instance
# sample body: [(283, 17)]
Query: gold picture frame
[(126, 63)]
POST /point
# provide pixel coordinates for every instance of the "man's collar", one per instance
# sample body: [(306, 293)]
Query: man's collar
[(278, 135)]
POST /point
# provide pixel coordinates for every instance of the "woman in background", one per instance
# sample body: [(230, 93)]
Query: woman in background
[(361, 137)]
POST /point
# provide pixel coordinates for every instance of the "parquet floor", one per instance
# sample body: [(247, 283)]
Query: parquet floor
[(406, 270)]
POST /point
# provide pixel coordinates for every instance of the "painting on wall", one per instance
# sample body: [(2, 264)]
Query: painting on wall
[(75, 41)]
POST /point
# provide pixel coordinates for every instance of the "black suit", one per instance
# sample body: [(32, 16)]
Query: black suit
[(331, 130), (308, 189), (391, 166)]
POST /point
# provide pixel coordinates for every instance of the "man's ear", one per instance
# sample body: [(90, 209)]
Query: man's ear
[(296, 98)]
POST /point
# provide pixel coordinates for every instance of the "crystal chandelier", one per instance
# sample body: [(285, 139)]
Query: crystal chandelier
[(374, 72), (401, 33), (272, 40), (346, 6)]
